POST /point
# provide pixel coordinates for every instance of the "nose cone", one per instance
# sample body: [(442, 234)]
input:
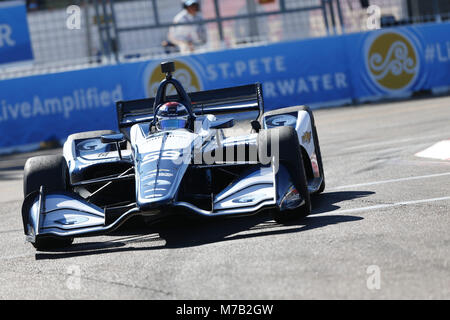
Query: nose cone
[(159, 180), (161, 165)]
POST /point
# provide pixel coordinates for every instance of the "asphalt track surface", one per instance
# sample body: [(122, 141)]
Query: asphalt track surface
[(379, 231)]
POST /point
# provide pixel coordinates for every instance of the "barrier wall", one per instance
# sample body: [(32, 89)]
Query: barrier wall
[(15, 44), (322, 71)]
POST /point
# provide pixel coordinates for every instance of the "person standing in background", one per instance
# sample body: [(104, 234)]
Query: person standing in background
[(188, 37)]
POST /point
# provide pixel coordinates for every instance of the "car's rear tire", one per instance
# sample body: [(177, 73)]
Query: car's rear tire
[(290, 155), (288, 110), (319, 158), (50, 172)]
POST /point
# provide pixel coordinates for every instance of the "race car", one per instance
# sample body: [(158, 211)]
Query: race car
[(207, 153)]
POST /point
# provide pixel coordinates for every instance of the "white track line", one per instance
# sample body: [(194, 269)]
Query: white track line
[(389, 181), (390, 205), (388, 142), (440, 150)]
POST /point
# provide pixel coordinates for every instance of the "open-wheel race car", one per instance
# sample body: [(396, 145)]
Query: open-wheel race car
[(208, 153)]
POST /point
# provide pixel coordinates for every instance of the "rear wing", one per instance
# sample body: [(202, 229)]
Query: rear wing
[(220, 101)]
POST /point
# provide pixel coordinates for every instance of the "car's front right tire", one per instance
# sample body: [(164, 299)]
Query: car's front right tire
[(50, 172)]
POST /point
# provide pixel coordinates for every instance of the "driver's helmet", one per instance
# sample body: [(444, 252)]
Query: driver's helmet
[(172, 115)]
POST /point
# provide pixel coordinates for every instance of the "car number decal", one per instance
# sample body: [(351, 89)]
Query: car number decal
[(165, 155)]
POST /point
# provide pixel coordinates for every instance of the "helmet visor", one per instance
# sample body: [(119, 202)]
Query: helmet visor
[(172, 124)]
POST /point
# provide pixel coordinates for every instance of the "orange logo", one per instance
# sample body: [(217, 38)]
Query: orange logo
[(306, 138), (183, 73), (393, 62)]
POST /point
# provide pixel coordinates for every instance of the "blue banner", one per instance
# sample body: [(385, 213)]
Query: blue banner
[(324, 71), (48, 107), (292, 73), (15, 42), (399, 61)]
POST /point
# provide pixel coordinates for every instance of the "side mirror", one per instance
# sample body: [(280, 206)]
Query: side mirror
[(116, 138), (222, 124), (112, 138)]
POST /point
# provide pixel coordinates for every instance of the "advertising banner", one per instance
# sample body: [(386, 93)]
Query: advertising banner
[(324, 71), (15, 44), (292, 73), (398, 61), (49, 107)]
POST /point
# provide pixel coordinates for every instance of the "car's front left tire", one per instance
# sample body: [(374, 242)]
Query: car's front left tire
[(290, 156)]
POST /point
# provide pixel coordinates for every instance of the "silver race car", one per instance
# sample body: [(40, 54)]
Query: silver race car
[(209, 153)]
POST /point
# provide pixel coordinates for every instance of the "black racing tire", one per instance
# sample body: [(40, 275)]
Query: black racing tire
[(314, 133), (48, 171), (52, 173), (290, 155), (49, 243), (319, 158)]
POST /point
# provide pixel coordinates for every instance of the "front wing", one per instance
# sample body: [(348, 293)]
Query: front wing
[(67, 215)]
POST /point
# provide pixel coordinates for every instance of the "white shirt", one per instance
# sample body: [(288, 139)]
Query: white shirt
[(195, 34)]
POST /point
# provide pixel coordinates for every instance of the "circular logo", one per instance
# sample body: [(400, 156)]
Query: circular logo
[(281, 120), (90, 145), (183, 73), (392, 61)]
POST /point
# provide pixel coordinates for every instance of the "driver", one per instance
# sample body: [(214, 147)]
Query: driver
[(171, 116)]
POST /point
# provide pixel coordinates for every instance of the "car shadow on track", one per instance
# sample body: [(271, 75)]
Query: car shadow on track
[(327, 202), (182, 232)]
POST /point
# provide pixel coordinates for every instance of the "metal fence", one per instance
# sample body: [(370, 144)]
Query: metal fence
[(360, 15), (115, 31)]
